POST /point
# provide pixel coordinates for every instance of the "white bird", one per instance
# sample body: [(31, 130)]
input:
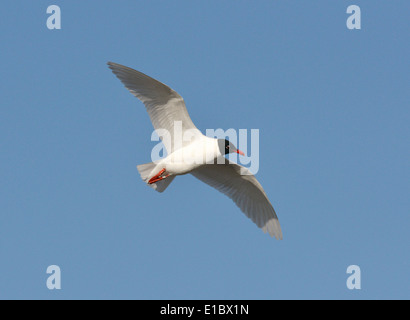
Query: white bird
[(167, 111)]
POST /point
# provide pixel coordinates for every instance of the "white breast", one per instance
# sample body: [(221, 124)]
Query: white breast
[(192, 156)]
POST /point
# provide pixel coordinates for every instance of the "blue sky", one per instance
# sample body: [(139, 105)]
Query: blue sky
[(332, 107)]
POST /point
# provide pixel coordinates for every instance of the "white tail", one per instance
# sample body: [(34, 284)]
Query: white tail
[(146, 172)]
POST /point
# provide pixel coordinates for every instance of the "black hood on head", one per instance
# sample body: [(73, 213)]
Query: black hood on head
[(226, 147)]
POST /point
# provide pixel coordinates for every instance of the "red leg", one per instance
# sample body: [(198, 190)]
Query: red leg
[(157, 177)]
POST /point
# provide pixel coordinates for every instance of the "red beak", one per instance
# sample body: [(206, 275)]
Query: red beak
[(240, 152)]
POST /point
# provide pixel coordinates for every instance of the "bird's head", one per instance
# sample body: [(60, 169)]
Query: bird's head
[(226, 147)]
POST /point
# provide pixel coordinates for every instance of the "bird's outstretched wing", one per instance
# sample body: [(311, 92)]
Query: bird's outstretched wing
[(241, 186), (165, 107)]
